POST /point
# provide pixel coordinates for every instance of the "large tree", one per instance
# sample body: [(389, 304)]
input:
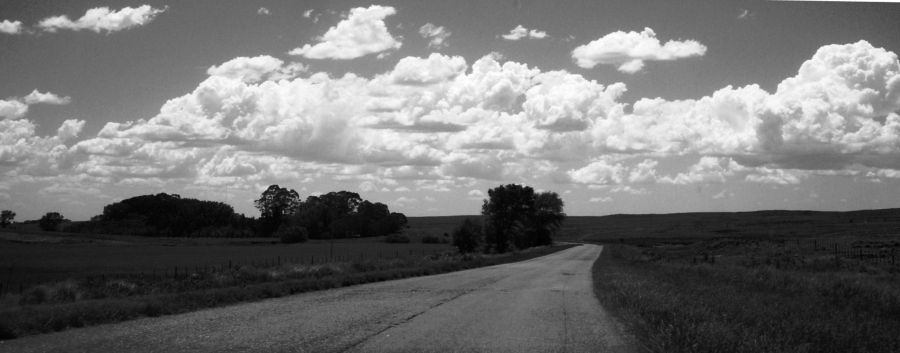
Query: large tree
[(547, 219), (273, 204), (504, 212), (6, 218), (515, 214)]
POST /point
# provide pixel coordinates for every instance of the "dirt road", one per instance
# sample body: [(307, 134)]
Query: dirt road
[(540, 305)]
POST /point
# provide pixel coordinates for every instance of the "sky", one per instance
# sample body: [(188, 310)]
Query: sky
[(617, 106)]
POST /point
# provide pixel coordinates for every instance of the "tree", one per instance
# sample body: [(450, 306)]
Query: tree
[(273, 204), (504, 212), (6, 218), (467, 237), (547, 219), (51, 221), (515, 214)]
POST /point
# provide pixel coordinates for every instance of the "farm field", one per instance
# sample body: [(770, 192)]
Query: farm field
[(29, 258), (837, 292)]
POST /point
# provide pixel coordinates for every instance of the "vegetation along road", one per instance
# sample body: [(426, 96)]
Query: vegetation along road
[(544, 304)]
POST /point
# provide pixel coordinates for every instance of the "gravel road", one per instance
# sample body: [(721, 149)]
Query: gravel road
[(540, 305)]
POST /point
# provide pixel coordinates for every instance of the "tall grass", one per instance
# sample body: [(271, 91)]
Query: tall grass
[(677, 306), (74, 303)]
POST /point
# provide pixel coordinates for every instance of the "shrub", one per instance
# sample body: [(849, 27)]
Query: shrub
[(51, 221), (431, 239), (396, 238), (292, 234)]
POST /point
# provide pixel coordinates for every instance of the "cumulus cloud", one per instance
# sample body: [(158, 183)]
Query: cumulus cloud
[(103, 19), (629, 50), (36, 97), (363, 32), (33, 155), (256, 69), (600, 173), (11, 27), (445, 123), (14, 107), (436, 35), (601, 199), (707, 170), (434, 69), (263, 11), (521, 32)]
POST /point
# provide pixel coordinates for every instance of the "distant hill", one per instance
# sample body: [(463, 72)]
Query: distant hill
[(770, 223)]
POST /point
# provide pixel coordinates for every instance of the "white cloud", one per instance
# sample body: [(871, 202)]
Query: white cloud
[(367, 186), (103, 19), (599, 173), (33, 155), (521, 32), (436, 68), (442, 124), (36, 97), (14, 107), (70, 129), (11, 27), (256, 69), (775, 176), (601, 199), (707, 170), (307, 13), (744, 14), (723, 195), (263, 11), (363, 32), (436, 35), (629, 50)]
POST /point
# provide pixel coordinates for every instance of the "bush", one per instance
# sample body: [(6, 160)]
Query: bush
[(396, 238), (431, 239), (292, 234), (467, 237), (51, 221)]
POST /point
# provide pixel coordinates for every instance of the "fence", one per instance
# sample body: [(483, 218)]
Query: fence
[(874, 252)]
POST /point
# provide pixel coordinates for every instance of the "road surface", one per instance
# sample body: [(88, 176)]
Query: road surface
[(540, 305)]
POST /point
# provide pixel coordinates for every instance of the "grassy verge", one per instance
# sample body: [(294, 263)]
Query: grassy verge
[(73, 303), (676, 303)]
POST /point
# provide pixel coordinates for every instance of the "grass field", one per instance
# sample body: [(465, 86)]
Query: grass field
[(23, 264), (751, 295)]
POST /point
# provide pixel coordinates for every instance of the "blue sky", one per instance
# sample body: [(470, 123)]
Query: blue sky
[(619, 106)]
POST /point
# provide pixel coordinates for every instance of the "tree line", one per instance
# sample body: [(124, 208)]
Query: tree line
[(513, 217), (340, 214)]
